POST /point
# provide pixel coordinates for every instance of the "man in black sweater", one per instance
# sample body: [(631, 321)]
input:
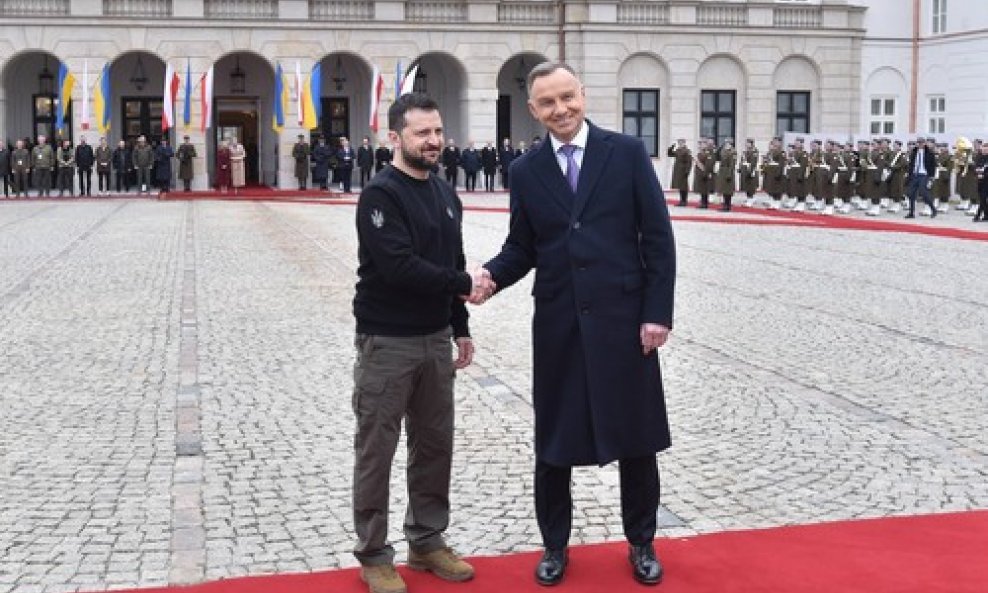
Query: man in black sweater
[(409, 303)]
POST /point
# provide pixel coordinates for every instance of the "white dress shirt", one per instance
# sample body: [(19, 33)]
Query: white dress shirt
[(579, 141)]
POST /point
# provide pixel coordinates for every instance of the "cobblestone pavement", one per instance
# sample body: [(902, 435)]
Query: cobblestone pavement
[(175, 389)]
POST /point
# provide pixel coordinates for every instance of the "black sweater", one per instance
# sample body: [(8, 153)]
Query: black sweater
[(410, 251)]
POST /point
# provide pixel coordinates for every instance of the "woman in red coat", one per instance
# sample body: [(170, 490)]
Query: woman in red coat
[(223, 166)]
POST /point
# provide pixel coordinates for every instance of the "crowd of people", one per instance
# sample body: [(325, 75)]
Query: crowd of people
[(830, 177), (39, 167)]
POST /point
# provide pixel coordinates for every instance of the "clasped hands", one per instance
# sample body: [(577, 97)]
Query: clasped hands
[(483, 286)]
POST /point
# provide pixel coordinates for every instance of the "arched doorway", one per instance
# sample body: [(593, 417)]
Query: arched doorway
[(243, 87), (137, 86), (442, 77), (513, 118), (345, 97), (30, 94)]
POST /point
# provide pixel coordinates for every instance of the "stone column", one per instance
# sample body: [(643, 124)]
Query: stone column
[(481, 110)]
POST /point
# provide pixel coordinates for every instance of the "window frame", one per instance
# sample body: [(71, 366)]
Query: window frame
[(718, 114), (936, 114), (938, 17), (885, 120), (640, 114), (792, 115)]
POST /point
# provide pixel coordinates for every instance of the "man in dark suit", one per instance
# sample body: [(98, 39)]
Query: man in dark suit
[(505, 155), (587, 212), (488, 160), (382, 156), (451, 161), (365, 161), (345, 159), (922, 166)]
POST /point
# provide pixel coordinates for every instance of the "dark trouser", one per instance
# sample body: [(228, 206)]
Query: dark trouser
[(396, 378), (505, 179), (85, 181), (123, 181), (452, 176), (488, 181), (365, 175), (20, 182), (346, 176), (683, 193), (639, 501), (918, 183), (103, 180), (66, 178), (6, 185), (471, 181), (187, 184), (144, 179), (42, 181), (982, 213)]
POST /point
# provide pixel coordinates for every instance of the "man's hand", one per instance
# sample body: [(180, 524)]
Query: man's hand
[(653, 336), (483, 286), (464, 350)]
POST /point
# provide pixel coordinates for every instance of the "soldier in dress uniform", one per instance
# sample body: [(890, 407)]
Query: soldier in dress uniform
[(798, 175), (703, 172), (103, 156), (186, 165), (727, 162), (66, 168), (748, 172), (43, 161), (844, 165), (773, 173), (300, 154), (815, 159), (941, 179), (967, 179), (897, 178), (867, 170), (20, 166), (825, 175), (683, 161)]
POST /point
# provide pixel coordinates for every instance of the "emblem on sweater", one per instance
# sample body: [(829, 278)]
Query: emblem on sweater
[(449, 211), (377, 218)]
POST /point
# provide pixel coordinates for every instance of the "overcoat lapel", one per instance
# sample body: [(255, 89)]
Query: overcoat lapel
[(595, 158), (559, 189)]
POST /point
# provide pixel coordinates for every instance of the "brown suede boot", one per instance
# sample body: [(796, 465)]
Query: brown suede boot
[(382, 579), (444, 563)]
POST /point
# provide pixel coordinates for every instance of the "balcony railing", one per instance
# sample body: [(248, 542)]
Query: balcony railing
[(34, 7), (527, 13), (341, 10), (436, 11), (642, 13), (241, 9), (801, 17), (722, 16), (142, 8)]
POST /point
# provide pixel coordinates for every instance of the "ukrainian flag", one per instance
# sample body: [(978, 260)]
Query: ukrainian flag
[(312, 100), (65, 84), (280, 100), (101, 100)]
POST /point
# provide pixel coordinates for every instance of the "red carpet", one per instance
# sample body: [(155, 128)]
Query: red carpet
[(927, 554)]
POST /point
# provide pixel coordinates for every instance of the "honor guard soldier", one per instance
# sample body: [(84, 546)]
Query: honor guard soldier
[(300, 154), (186, 165), (941, 180), (844, 167), (867, 173), (748, 172), (727, 162), (814, 200), (20, 166), (897, 177), (682, 162), (967, 177), (825, 173), (703, 173), (43, 159), (773, 173), (104, 164), (798, 175)]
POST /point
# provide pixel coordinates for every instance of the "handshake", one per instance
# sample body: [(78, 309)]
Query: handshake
[(483, 286)]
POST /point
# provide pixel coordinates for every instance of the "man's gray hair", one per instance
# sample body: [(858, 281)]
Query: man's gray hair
[(545, 69)]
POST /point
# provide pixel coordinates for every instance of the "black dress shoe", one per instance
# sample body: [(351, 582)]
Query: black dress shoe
[(551, 567), (645, 565), (909, 216)]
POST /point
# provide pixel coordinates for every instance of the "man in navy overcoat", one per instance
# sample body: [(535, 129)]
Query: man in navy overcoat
[(588, 214)]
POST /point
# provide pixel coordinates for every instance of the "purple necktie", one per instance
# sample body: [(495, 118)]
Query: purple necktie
[(572, 169)]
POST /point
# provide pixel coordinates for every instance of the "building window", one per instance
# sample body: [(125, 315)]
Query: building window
[(792, 112), (641, 117), (882, 119), (939, 20), (717, 115), (937, 117)]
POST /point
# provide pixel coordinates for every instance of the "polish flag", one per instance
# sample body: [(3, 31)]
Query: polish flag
[(206, 99), (172, 84), (376, 91)]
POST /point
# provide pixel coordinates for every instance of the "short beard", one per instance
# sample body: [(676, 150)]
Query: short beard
[(415, 162)]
